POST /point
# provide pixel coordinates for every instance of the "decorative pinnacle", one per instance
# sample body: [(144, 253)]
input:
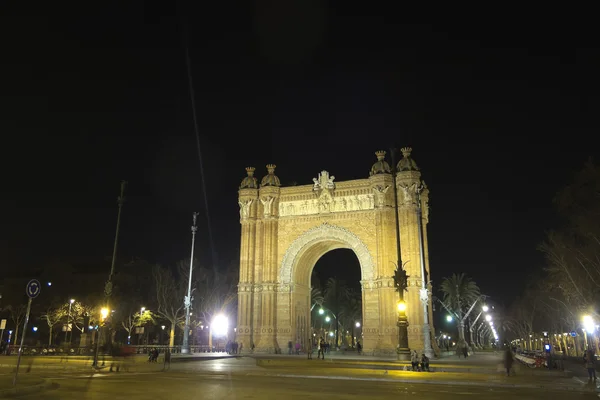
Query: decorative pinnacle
[(271, 168), (380, 155), (406, 151), (250, 171)]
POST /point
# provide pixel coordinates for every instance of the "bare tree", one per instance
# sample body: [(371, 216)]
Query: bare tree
[(17, 315), (137, 319), (213, 294), (169, 298), (52, 316)]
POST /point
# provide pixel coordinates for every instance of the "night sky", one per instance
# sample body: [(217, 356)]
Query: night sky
[(499, 117)]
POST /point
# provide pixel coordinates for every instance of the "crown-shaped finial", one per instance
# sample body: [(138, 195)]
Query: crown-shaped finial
[(250, 171), (271, 168), (380, 155), (406, 151)]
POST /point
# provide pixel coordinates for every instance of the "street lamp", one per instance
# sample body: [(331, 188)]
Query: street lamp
[(220, 325), (358, 324), (103, 315), (68, 319), (488, 318), (139, 329), (187, 300), (403, 350), (484, 309), (588, 324), (423, 292), (589, 327), (327, 319), (449, 318)]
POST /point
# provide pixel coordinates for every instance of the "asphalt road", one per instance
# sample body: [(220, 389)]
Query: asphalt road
[(242, 379), (158, 386)]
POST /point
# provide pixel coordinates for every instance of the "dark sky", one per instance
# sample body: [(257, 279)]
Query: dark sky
[(499, 117)]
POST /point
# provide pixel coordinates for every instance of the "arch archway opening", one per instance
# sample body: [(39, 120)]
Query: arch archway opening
[(336, 299)]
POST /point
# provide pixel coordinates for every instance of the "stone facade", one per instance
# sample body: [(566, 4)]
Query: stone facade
[(285, 230)]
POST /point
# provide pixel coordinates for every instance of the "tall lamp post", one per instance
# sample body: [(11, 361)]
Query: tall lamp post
[(187, 301), (589, 329), (484, 309), (424, 292), (400, 277), (141, 327), (68, 320)]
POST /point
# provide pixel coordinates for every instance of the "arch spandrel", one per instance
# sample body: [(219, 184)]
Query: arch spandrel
[(339, 237)]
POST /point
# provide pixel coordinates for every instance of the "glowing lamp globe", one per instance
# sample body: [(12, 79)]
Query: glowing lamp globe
[(220, 325)]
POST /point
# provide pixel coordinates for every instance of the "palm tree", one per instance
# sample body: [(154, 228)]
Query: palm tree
[(459, 293), (351, 312), (316, 297), (336, 294)]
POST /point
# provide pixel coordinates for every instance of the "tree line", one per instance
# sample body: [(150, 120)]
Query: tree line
[(73, 299), (567, 287)]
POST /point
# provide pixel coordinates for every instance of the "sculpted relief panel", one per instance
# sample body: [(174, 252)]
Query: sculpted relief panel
[(325, 197), (359, 202)]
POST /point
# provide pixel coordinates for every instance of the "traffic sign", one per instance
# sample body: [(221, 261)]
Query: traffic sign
[(2, 325), (33, 288), (573, 334)]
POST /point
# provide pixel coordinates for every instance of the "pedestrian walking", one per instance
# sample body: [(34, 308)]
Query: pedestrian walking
[(589, 358), (321, 352), (167, 362), (508, 360)]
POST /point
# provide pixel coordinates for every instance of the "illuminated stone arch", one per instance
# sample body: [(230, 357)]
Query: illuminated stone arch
[(285, 230)]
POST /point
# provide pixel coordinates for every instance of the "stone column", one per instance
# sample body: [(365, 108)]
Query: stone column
[(370, 318), (266, 294), (408, 182), (386, 261), (247, 200)]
